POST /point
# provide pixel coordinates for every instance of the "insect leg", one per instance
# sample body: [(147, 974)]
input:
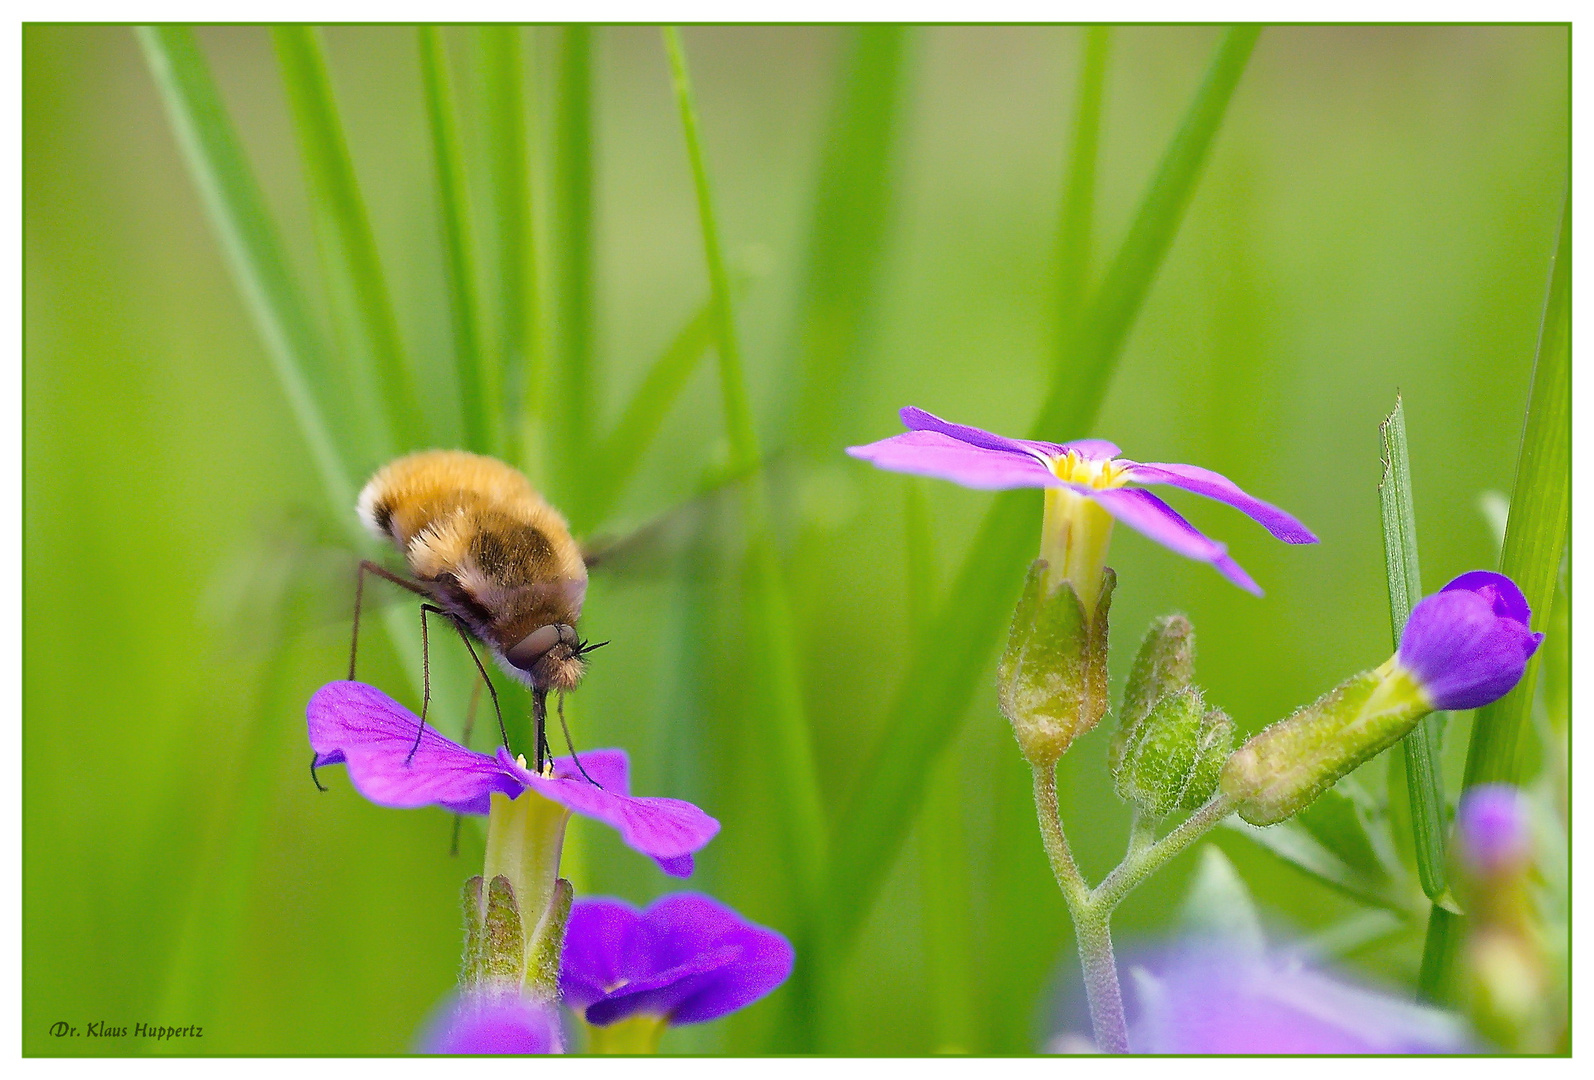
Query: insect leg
[(502, 731), (314, 779), (426, 677), (574, 756), (369, 567)]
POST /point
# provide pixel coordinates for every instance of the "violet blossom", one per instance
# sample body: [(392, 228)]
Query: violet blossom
[(1213, 998), (1469, 643), (1493, 834), (360, 726), (685, 959), (1085, 491), (493, 1024)]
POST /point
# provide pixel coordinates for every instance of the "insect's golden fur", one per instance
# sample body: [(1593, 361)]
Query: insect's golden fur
[(491, 550)]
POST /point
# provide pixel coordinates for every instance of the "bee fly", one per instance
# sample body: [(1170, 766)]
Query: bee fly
[(490, 555)]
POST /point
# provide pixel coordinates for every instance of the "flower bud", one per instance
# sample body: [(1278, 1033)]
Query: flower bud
[(1165, 664), (1172, 758), (1469, 643), (1286, 765), (1052, 678)]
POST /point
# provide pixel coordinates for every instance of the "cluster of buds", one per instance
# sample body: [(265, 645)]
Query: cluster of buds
[(1170, 747)]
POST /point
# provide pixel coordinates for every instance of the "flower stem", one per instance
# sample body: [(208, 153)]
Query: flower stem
[(1090, 921), (1092, 909), (1142, 861)]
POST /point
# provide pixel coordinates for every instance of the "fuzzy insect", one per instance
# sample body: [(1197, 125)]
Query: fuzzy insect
[(487, 552)]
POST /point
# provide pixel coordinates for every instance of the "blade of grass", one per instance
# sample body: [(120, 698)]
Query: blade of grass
[(464, 310), (1421, 747), (943, 847), (1540, 504), (520, 378), (345, 229), (254, 252), (769, 613), (571, 424), (941, 676), (1079, 192), (851, 212), (619, 455), (1535, 536)]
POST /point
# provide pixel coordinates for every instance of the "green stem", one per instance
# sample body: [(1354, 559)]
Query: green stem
[(571, 422), (1091, 921), (1140, 863)]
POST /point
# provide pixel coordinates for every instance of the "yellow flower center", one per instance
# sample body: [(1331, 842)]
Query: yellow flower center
[(1075, 530), (1097, 473)]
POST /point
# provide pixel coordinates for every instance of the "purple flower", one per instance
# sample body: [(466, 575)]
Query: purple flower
[(1493, 836), (372, 734), (687, 958), (492, 1024), (1089, 468), (1468, 644), (1213, 999)]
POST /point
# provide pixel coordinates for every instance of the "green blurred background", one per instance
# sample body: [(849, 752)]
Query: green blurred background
[(1378, 213)]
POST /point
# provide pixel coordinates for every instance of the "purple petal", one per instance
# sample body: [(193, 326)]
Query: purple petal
[(915, 419), (1493, 835), (606, 942), (688, 958), (1503, 595), (1149, 515), (1462, 653), (690, 921), (1217, 486), (495, 1024), (930, 453), (1091, 449), (665, 829), (373, 735)]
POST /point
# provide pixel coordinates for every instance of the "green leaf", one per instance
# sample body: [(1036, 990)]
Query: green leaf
[(572, 423), (769, 611), (1219, 908), (944, 671), (459, 248), (621, 453), (1335, 821), (1421, 748), (1079, 193), (1291, 842), (851, 212), (1535, 535), (1540, 503), (507, 145), (254, 252), (345, 231)]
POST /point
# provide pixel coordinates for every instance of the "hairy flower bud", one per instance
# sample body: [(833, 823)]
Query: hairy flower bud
[(1052, 678), (1172, 758), (1165, 664), (1286, 765)]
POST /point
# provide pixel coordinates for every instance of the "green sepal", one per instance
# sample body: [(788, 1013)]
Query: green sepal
[(1283, 767), (1172, 758), (1164, 664), (473, 965), (548, 944), (504, 940), (1052, 679)]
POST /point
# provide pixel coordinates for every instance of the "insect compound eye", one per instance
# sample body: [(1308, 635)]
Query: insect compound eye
[(536, 644)]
